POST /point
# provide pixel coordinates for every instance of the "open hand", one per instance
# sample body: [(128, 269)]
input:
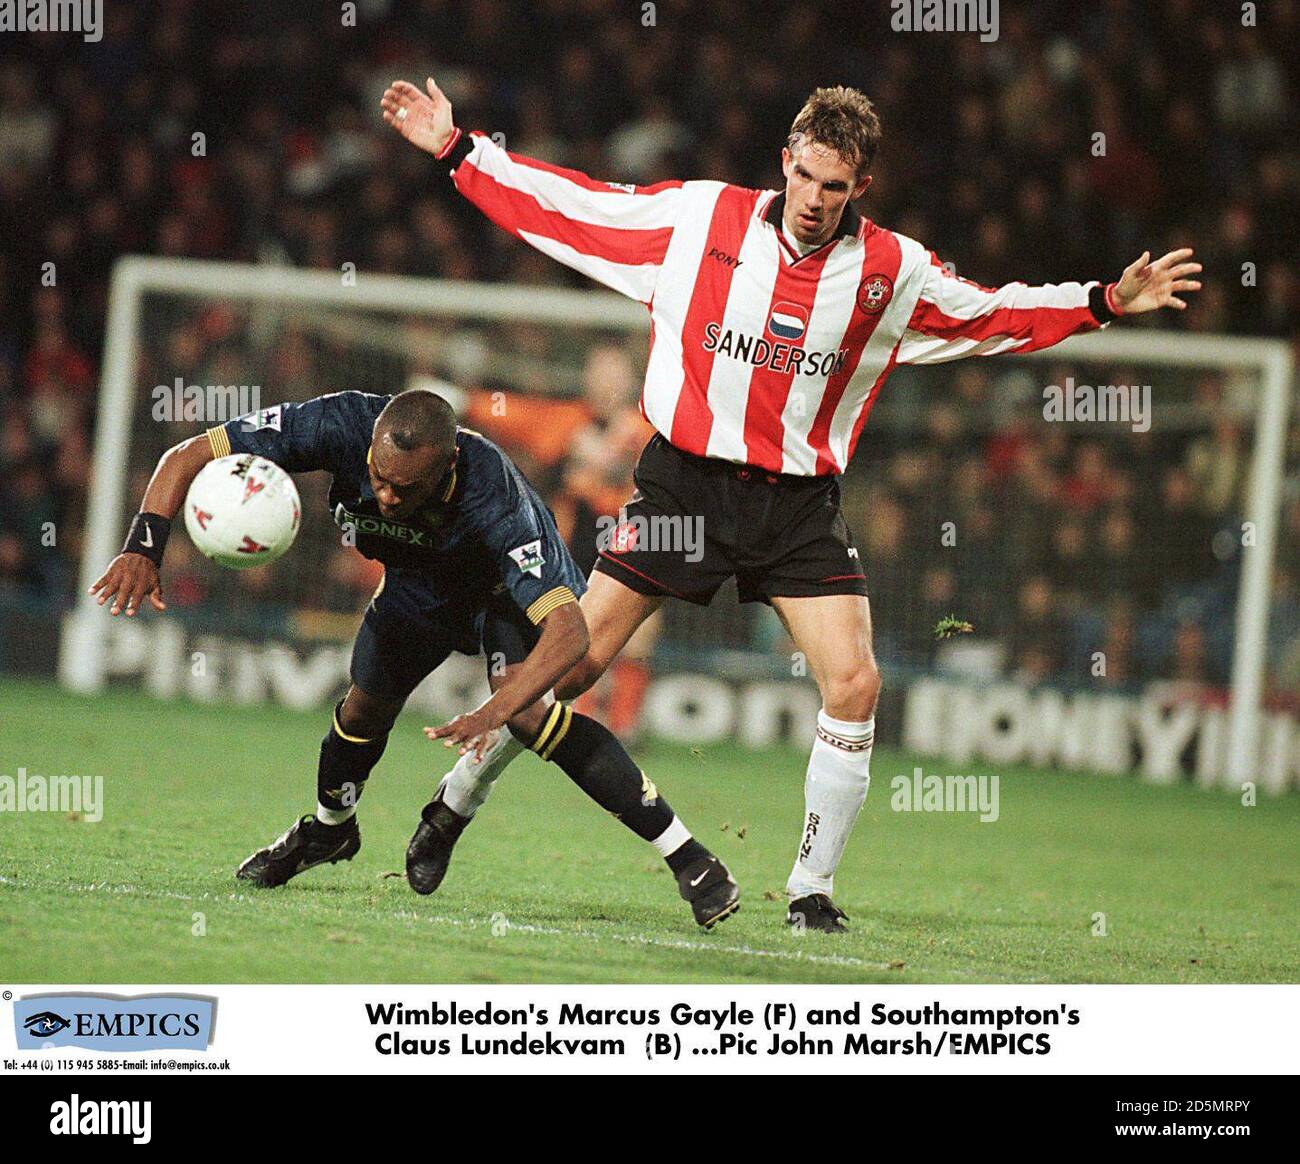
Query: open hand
[(423, 119), (475, 732), (131, 578), (1147, 286)]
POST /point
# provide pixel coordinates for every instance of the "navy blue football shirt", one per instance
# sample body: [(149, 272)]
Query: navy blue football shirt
[(485, 529)]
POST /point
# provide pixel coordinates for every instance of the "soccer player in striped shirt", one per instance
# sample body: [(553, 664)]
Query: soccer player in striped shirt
[(776, 318)]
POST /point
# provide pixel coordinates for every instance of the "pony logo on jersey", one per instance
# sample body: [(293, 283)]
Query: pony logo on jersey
[(529, 558), (788, 321), (875, 292)]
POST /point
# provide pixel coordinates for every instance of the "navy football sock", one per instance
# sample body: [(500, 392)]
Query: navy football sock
[(591, 756), (345, 764)]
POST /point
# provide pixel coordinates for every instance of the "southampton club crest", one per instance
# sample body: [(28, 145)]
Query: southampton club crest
[(874, 293), (623, 539)]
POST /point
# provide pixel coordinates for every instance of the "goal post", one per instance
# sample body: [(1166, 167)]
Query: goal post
[(83, 648), (135, 279), (1275, 364)]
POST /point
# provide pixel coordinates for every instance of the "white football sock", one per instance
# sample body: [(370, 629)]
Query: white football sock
[(466, 786), (335, 816), (672, 838), (839, 771)]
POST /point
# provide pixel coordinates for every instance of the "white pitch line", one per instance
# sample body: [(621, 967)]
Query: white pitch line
[(524, 927), (673, 943)]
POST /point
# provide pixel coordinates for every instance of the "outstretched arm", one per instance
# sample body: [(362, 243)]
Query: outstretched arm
[(955, 318), (563, 641), (133, 574), (614, 233)]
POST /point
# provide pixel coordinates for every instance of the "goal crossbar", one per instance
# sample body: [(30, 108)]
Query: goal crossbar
[(134, 277)]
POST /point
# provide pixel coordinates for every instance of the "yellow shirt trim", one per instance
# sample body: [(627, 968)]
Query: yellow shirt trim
[(551, 600), (219, 441)]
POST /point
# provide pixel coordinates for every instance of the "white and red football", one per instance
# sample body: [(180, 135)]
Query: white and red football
[(242, 511)]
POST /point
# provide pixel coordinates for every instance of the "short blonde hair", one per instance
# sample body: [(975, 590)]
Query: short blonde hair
[(841, 119)]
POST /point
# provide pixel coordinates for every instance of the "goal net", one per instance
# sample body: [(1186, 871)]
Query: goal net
[(1083, 557)]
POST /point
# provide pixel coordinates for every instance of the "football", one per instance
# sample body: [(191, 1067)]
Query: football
[(242, 511)]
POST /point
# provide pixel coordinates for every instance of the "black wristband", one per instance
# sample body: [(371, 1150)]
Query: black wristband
[(148, 536), (456, 150), (1097, 304)]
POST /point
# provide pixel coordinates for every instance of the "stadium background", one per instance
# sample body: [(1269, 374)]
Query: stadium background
[(1072, 540)]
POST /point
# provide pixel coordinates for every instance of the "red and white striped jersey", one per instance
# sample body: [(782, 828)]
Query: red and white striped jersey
[(757, 354)]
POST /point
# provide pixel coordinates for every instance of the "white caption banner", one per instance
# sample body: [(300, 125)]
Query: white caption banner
[(742, 1030)]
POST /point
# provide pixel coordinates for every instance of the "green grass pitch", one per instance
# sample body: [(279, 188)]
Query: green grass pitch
[(545, 887)]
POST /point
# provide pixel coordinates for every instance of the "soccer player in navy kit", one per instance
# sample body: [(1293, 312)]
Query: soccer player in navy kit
[(472, 561)]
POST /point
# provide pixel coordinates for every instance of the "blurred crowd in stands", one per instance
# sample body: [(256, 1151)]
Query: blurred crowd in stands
[(1080, 137)]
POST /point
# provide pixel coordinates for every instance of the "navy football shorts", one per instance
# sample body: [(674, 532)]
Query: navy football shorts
[(694, 522), (407, 632)]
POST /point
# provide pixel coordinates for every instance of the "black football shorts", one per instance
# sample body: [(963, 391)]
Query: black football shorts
[(694, 522), (408, 631)]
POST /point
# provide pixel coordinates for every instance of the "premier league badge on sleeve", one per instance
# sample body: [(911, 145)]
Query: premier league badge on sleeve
[(262, 418), (529, 558)]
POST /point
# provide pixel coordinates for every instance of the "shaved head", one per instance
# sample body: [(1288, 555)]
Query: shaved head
[(418, 419), (412, 449)]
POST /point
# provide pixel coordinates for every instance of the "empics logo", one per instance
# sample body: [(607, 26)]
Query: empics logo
[(105, 1022), (45, 1024)]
